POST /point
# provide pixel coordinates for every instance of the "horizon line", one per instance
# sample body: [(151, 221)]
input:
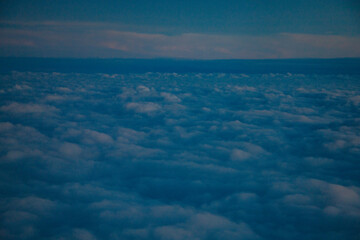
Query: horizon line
[(183, 59)]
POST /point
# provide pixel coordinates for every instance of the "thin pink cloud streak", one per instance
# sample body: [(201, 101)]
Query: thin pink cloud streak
[(57, 39)]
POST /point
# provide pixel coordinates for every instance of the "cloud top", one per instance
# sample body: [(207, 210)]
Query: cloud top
[(179, 156)]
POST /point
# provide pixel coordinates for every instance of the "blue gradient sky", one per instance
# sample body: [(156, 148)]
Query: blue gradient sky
[(181, 29)]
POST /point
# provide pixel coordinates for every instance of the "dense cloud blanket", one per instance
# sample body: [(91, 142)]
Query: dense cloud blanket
[(179, 156)]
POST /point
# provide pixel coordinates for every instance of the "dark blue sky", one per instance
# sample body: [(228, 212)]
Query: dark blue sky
[(181, 29)]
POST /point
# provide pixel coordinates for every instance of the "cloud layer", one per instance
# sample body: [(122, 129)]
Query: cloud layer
[(179, 156), (76, 39)]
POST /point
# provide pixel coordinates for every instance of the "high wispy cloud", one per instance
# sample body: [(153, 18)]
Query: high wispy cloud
[(76, 39)]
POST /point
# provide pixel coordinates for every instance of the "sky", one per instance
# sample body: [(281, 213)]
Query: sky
[(169, 149), (197, 29)]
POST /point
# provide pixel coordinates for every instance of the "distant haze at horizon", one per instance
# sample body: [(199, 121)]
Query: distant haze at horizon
[(347, 66)]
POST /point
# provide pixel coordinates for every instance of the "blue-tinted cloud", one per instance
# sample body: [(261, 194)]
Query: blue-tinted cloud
[(179, 156)]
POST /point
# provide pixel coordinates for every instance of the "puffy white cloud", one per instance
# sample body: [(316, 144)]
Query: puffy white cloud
[(179, 156), (146, 107), (239, 155), (27, 108), (97, 137), (170, 97), (70, 149), (82, 234)]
